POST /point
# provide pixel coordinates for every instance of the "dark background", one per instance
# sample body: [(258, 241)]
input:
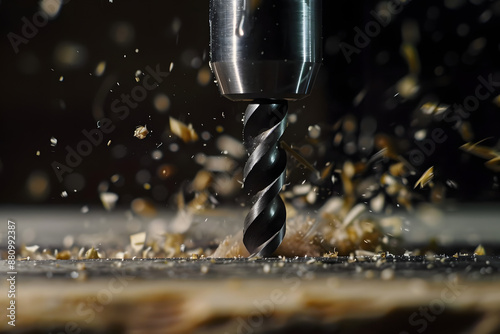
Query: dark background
[(36, 106)]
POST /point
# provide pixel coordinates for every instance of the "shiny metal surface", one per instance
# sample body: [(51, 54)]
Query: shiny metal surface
[(265, 49), (264, 176)]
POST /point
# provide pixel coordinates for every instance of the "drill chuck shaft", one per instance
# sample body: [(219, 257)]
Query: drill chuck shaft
[(265, 49), (264, 176)]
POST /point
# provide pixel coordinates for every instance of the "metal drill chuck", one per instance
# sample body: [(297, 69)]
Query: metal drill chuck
[(264, 176), (265, 49)]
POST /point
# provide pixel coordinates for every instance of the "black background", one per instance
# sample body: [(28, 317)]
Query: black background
[(31, 111)]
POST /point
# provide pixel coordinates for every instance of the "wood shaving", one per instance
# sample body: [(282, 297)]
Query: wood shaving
[(484, 152), (141, 132), (108, 200), (425, 179), (31, 249), (232, 146), (480, 151), (137, 241), (300, 159), (398, 169), (493, 164), (219, 164), (64, 255), (181, 222), (202, 180), (99, 70), (479, 250), (91, 254), (143, 207), (408, 86), (183, 131)]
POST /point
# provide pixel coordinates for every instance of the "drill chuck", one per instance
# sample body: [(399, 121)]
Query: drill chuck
[(265, 49)]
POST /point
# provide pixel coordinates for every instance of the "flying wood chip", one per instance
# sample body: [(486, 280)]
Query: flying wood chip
[(183, 131), (108, 200), (425, 178), (137, 241), (141, 132), (493, 164), (479, 150), (484, 152)]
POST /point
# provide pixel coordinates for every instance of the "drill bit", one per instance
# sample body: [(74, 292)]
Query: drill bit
[(264, 176), (268, 54)]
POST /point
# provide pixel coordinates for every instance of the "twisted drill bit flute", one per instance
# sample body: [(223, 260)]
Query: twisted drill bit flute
[(264, 176), (267, 52)]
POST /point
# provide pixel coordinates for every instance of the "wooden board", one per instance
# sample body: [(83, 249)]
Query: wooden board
[(320, 295)]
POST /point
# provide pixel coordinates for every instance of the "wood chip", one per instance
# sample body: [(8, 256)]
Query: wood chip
[(64, 255), (377, 203), (355, 213), (494, 164), (425, 179), (108, 200), (141, 132), (137, 241), (91, 254), (219, 163), (484, 152), (99, 70), (232, 146), (398, 169), (479, 250), (300, 159), (32, 249), (183, 131), (143, 207), (480, 151), (202, 180), (408, 86)]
